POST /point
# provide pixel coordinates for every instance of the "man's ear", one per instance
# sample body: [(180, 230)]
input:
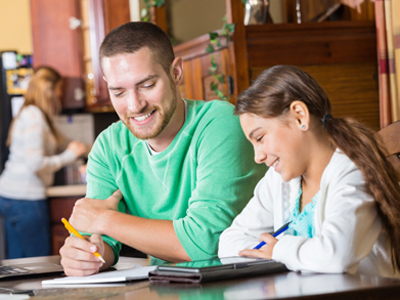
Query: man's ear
[(177, 70), (300, 114)]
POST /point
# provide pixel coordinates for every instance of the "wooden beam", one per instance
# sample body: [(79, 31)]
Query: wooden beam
[(239, 68), (158, 16)]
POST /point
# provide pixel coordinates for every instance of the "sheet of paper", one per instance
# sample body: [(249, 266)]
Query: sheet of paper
[(14, 297), (236, 259), (85, 285), (136, 273)]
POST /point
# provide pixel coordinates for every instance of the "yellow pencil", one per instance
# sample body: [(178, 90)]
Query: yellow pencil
[(73, 231)]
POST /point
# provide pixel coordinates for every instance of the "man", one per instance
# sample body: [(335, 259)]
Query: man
[(183, 167)]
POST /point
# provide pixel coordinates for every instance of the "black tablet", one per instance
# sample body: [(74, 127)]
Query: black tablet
[(214, 269)]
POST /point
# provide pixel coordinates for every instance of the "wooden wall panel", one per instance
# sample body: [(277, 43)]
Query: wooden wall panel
[(340, 55), (351, 88), (186, 86), (311, 43), (197, 85)]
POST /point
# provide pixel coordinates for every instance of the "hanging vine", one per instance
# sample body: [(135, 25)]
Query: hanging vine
[(215, 42), (145, 13)]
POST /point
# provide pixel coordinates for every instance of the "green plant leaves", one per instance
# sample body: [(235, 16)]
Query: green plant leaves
[(145, 13), (210, 48), (215, 40), (213, 36)]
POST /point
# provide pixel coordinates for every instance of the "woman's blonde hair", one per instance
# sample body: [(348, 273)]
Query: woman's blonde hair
[(42, 93)]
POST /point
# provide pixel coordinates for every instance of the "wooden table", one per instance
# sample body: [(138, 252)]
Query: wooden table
[(289, 285)]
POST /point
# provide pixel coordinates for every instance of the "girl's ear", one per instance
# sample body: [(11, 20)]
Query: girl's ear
[(177, 70), (300, 114)]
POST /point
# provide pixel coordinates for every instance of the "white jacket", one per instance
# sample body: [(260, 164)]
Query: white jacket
[(348, 231)]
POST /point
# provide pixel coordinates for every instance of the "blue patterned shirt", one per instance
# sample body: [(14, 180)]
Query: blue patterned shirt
[(303, 222)]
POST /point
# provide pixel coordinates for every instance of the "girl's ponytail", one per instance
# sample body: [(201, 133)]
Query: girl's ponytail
[(368, 154)]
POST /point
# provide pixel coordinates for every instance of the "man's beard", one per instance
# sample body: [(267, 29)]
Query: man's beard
[(163, 119)]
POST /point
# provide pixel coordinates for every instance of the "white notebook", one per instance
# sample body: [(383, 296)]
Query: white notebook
[(136, 273)]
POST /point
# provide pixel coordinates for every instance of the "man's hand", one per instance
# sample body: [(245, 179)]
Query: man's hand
[(263, 252), (88, 214), (77, 256)]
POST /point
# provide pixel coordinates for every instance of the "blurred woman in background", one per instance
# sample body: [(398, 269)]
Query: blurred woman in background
[(37, 151)]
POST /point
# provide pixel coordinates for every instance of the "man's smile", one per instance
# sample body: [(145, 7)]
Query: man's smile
[(142, 118)]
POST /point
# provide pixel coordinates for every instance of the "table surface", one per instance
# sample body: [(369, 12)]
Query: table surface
[(66, 190), (290, 285)]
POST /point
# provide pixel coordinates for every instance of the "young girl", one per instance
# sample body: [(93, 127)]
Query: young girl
[(327, 175), (37, 150)]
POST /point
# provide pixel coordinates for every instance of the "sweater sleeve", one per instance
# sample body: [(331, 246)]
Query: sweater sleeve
[(101, 182), (34, 136), (348, 225), (256, 218), (226, 176)]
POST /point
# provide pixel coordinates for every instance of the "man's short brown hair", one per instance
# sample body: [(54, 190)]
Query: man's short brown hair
[(133, 36)]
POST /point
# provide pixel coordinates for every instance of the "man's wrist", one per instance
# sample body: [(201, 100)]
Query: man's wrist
[(106, 222)]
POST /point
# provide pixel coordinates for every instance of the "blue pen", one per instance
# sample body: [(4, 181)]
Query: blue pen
[(275, 234)]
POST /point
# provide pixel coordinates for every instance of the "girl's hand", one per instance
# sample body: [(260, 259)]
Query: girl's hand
[(265, 251)]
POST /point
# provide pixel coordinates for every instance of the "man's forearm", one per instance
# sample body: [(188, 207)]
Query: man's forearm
[(154, 237), (108, 256)]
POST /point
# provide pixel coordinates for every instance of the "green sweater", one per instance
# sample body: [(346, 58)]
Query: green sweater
[(201, 181)]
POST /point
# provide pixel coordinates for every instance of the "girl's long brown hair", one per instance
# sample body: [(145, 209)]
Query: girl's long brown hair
[(41, 92), (271, 95)]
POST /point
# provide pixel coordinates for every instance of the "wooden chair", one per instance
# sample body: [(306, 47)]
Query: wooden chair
[(390, 135)]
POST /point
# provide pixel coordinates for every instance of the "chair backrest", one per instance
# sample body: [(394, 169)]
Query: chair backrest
[(390, 135)]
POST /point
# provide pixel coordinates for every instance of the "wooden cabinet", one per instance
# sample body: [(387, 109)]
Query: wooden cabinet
[(57, 43), (67, 35), (196, 63), (60, 207), (99, 17), (93, 34)]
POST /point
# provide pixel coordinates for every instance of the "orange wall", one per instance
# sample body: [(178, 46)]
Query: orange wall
[(15, 26)]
